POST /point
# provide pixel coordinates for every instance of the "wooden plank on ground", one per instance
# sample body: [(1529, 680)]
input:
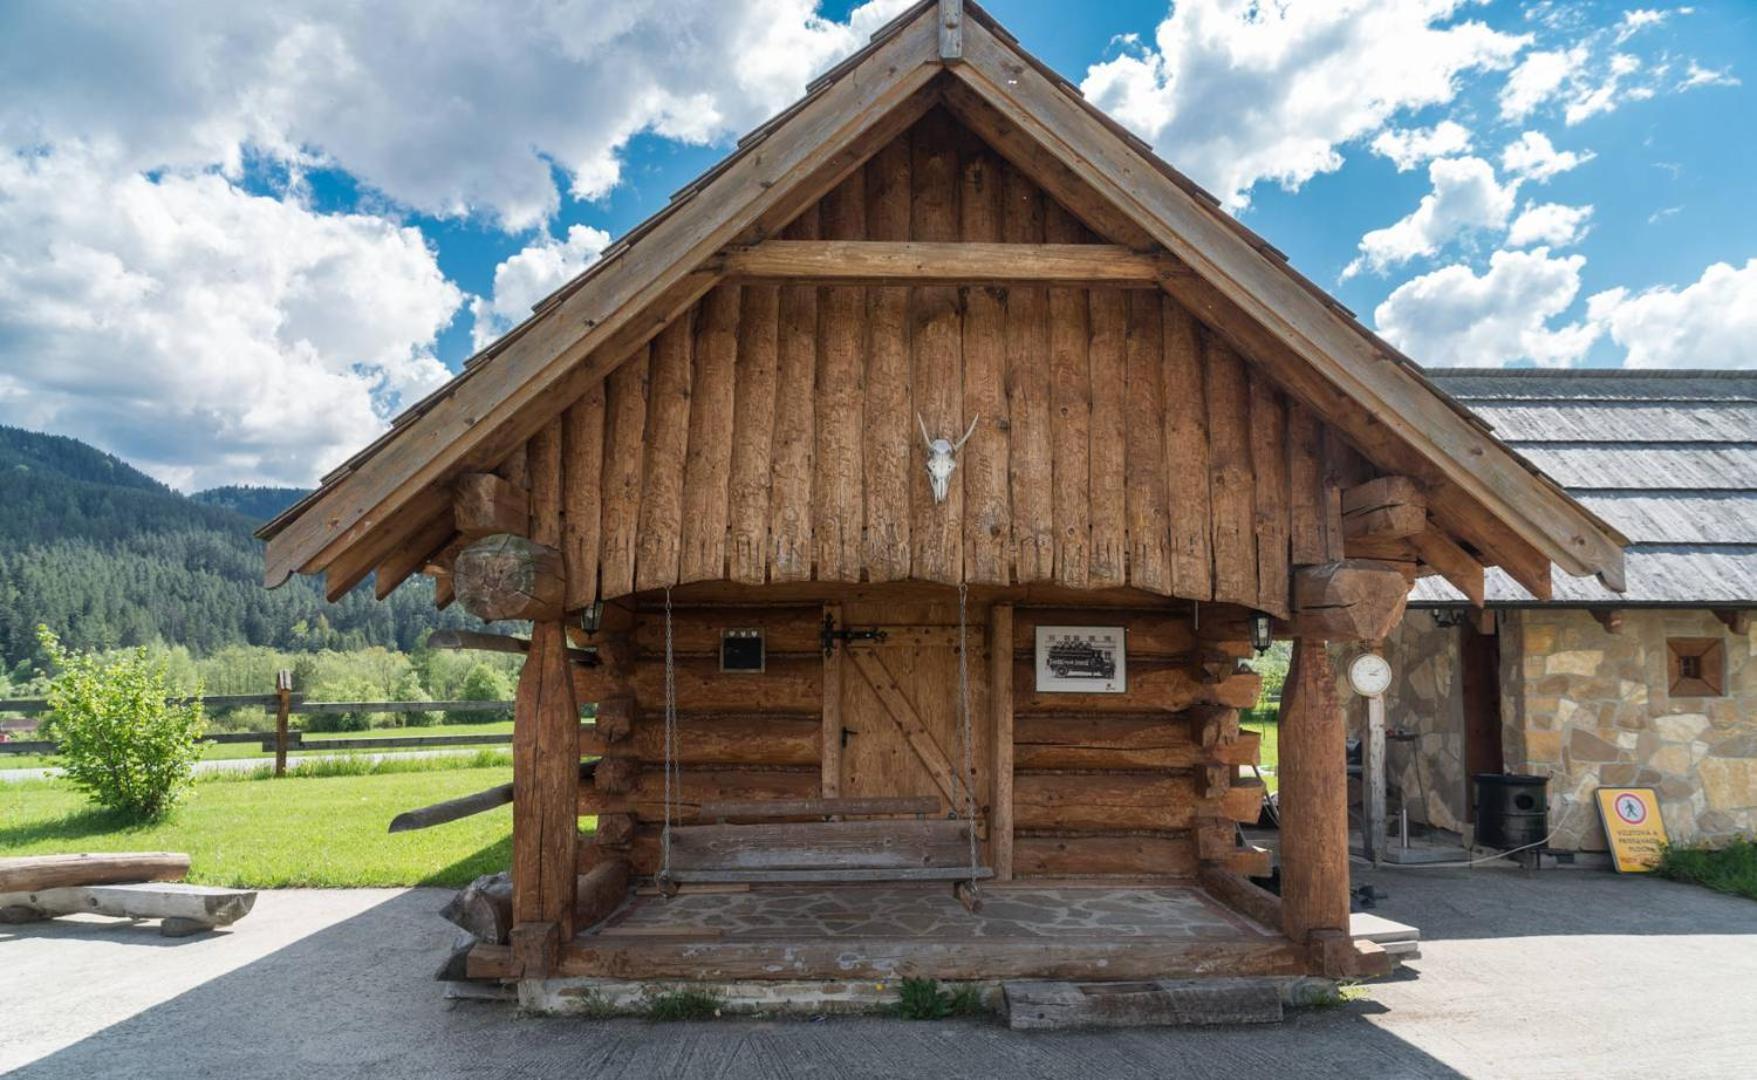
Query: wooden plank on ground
[(30, 873)]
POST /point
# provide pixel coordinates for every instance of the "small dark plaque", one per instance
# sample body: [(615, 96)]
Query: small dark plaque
[(741, 650)]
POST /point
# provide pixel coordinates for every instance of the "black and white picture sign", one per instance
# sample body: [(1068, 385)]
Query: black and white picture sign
[(1081, 660)]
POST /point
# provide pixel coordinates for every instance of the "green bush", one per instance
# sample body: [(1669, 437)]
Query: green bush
[(484, 682), (352, 689), (119, 741), (409, 688)]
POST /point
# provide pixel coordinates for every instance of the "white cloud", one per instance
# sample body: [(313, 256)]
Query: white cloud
[(1465, 196), (529, 276), (1236, 92), (1538, 78), (1409, 147), (1534, 157), (1636, 20), (1697, 75), (446, 108), (1456, 316), (1611, 91), (1711, 323), (207, 334), (1549, 223)]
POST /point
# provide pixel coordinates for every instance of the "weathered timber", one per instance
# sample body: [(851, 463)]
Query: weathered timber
[(1348, 601), (821, 845), (1451, 562), (791, 684), (1385, 508), (451, 809), (1145, 487), (1107, 350), (708, 466), (1070, 384), (1154, 685), (510, 577), (889, 438), (484, 504), (625, 420), (794, 431), (185, 908), (1084, 741), (546, 779), (1239, 893), (583, 498), (33, 873), (1103, 802), (1313, 797), (1029, 466), (872, 262), (599, 892), (659, 545), (1268, 444), (773, 809), (1001, 720), (483, 908), (715, 739), (987, 525), (1187, 456), (1062, 1006), (840, 406), (753, 408), (1078, 855), (696, 786), (936, 355), (480, 641)]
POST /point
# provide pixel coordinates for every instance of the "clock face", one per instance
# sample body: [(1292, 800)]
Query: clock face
[(1369, 674)]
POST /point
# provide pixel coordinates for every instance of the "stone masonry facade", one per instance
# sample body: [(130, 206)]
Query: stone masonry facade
[(1586, 707)]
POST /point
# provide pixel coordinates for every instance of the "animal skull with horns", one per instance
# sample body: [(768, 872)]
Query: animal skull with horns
[(942, 458)]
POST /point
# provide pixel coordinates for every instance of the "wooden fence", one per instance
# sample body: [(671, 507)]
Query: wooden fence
[(282, 739)]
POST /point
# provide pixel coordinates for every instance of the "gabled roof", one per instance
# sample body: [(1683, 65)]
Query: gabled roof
[(954, 52), (1668, 457)]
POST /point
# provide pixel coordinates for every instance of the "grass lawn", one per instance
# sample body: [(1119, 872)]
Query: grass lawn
[(234, 751), (1731, 869), (1265, 724), (298, 831)]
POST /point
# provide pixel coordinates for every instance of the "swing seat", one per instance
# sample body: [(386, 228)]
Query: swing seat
[(851, 841)]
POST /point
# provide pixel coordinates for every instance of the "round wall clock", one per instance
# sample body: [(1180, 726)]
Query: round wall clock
[(1369, 674)]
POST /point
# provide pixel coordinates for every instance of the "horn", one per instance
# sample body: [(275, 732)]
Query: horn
[(967, 434), (925, 437)]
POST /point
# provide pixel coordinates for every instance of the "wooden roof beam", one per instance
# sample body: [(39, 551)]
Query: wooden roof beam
[(872, 262), (1267, 293)]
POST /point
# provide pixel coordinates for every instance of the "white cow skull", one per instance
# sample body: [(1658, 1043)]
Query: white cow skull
[(942, 458)]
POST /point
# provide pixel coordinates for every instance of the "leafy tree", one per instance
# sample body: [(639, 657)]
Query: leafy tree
[(120, 742), (484, 682)]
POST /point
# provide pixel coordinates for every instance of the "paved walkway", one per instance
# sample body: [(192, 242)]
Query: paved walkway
[(1566, 973)]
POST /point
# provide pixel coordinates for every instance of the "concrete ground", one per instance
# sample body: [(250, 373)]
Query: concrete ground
[(1561, 973)]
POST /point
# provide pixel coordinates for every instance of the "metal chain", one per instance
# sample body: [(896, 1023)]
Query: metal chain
[(969, 773), (673, 787)]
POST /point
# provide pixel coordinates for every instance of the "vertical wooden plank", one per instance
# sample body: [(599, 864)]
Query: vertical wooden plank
[(753, 433), (1109, 437), (657, 546), (1268, 437), (936, 354), (1070, 375), (545, 785), (1148, 528), (1229, 475), (1314, 797), (545, 465), (1000, 698), (1188, 500), (831, 753), (515, 469), (582, 486), (795, 422), (1337, 455), (1028, 392), (625, 419), (987, 512), (837, 494), (708, 466), (1305, 486), (889, 418)]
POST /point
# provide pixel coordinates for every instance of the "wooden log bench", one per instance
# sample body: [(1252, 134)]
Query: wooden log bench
[(182, 909), (816, 841)]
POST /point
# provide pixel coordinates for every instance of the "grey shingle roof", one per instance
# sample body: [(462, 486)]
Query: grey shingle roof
[(1669, 458)]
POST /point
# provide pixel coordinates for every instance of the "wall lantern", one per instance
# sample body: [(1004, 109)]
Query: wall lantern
[(1260, 639), (592, 617)]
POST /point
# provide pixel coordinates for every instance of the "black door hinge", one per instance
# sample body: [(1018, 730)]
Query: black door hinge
[(828, 635)]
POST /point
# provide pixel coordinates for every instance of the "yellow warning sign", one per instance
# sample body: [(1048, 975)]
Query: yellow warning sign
[(1633, 826)]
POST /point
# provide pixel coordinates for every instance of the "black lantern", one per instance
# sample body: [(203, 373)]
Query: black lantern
[(1260, 639), (592, 617)]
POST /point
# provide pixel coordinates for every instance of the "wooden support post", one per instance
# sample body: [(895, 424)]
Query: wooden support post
[(831, 754), (283, 708), (1314, 798), (1000, 697), (951, 20), (1372, 829), (545, 799)]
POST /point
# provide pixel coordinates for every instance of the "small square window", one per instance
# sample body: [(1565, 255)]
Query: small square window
[(1696, 667)]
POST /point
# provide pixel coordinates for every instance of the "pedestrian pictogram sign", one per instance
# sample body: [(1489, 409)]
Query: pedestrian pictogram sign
[(1633, 827)]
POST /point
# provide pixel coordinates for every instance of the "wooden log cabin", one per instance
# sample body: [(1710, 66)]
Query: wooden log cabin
[(705, 473)]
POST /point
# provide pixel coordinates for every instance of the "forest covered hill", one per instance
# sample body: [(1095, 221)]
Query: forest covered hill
[(108, 556)]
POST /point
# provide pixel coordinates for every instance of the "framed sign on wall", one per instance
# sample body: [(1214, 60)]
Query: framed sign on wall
[(1081, 660)]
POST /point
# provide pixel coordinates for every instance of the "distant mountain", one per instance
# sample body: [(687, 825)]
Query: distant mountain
[(108, 556), (259, 504)]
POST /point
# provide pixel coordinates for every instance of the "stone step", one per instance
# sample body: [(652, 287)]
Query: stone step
[(1400, 941), (1051, 1006)]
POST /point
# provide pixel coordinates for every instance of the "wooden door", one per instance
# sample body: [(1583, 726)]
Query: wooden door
[(901, 713), (1481, 684)]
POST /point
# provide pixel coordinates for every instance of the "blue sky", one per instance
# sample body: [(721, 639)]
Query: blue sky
[(234, 242)]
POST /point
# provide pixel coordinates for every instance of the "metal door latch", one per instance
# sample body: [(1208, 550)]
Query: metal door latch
[(829, 635)]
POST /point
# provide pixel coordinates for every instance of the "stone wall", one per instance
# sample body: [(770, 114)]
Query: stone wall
[(1588, 707), (1425, 699)]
